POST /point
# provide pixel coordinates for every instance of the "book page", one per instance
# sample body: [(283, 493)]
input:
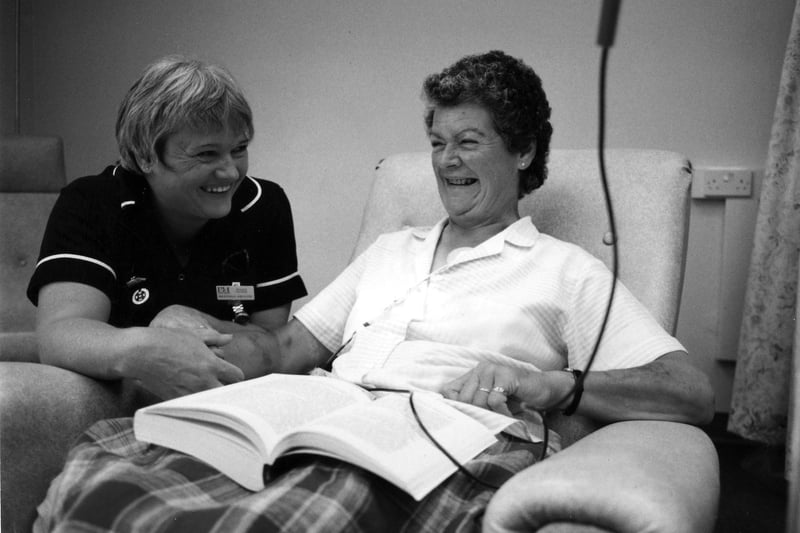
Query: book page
[(497, 422), (209, 442), (263, 409), (385, 437)]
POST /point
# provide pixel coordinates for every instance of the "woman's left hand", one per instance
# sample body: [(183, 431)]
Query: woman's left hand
[(199, 324), (504, 389), (180, 317), (488, 385)]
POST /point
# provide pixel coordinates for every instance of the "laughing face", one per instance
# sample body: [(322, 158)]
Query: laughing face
[(476, 174), (196, 180)]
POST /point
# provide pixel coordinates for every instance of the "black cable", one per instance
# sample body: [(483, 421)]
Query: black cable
[(461, 467), (334, 355), (611, 223), (601, 141), (545, 437)]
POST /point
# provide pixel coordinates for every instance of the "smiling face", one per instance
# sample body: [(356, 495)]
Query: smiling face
[(197, 177), (476, 174)]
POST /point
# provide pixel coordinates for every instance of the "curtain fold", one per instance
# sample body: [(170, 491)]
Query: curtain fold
[(793, 441), (762, 381)]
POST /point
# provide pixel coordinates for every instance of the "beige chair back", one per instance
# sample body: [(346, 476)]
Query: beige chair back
[(31, 174)]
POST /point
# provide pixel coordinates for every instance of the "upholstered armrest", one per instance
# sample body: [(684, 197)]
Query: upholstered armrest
[(18, 346), (625, 477), (43, 409)]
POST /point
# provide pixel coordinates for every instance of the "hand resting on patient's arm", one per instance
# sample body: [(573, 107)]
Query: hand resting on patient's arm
[(73, 333), (243, 344), (255, 348)]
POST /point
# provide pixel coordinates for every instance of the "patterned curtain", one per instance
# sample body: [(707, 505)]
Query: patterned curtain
[(762, 382)]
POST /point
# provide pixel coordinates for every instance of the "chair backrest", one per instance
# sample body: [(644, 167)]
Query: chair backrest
[(31, 174), (649, 191)]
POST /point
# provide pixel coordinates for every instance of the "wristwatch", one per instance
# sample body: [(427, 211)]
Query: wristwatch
[(577, 391)]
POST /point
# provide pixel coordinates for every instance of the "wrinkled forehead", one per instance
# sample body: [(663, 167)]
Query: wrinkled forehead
[(461, 118)]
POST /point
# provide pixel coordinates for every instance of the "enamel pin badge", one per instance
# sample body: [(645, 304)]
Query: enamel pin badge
[(140, 296)]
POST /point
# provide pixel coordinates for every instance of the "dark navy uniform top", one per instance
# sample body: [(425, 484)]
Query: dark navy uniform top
[(104, 232)]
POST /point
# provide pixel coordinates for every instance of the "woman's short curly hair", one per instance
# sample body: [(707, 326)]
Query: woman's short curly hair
[(175, 93), (512, 93)]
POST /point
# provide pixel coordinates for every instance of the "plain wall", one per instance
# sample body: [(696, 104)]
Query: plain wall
[(8, 64), (335, 87)]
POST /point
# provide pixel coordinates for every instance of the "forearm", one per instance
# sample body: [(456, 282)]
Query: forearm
[(291, 349), (92, 347), (666, 389), (257, 347), (193, 319), (661, 390)]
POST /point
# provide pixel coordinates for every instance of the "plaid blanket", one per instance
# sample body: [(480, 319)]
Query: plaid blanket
[(112, 482)]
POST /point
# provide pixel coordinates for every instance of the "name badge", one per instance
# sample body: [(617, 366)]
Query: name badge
[(236, 292)]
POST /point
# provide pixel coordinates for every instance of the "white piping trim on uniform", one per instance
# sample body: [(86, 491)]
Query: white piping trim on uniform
[(258, 195), (277, 281), (79, 257), (127, 203)]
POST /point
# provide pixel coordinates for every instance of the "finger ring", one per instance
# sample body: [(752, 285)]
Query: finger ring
[(501, 390), (483, 389)]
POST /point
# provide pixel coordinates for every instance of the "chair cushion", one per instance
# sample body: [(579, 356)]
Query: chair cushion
[(31, 174)]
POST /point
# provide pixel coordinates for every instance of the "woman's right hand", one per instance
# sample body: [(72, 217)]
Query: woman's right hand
[(183, 317), (175, 361), (73, 333)]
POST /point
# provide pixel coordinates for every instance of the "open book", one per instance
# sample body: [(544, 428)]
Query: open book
[(240, 428)]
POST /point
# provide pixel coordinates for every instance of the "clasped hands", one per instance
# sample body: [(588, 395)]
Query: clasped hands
[(186, 318), (186, 354)]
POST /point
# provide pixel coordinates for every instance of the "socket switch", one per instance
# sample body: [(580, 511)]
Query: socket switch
[(722, 183)]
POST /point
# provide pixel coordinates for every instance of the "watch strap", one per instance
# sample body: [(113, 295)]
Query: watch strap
[(577, 391)]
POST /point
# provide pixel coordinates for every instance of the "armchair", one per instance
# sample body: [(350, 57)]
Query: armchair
[(42, 408), (31, 174), (624, 477), (631, 476)]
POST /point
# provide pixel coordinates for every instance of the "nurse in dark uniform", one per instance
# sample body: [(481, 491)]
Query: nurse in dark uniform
[(149, 268)]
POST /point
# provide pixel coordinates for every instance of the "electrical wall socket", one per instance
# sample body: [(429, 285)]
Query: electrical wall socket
[(722, 183)]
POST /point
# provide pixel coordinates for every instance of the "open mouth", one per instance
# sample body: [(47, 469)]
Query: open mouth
[(219, 189), (460, 181)]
